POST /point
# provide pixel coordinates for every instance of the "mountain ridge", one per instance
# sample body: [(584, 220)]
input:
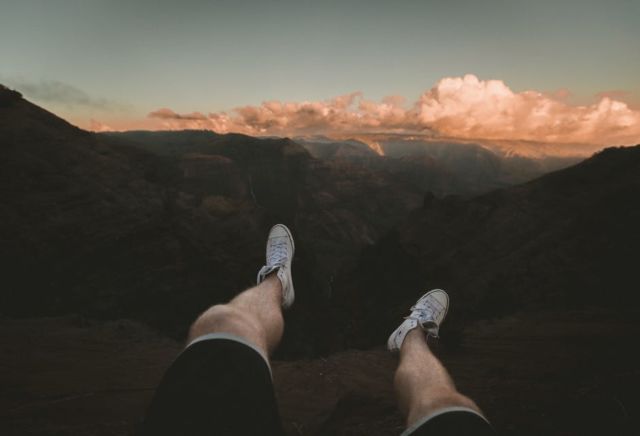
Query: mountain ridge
[(109, 227), (563, 240), (147, 224)]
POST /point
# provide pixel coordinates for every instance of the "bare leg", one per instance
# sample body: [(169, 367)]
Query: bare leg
[(423, 385), (254, 315)]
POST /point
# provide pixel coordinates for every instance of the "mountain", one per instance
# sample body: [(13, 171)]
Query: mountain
[(565, 240), (441, 167), (71, 208), (156, 226)]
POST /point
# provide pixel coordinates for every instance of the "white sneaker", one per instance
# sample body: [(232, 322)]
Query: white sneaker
[(280, 249), (428, 313)]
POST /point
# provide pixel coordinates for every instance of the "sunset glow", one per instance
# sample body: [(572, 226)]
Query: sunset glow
[(456, 107), (539, 72)]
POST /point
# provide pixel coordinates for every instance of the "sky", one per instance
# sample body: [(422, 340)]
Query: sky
[(561, 70)]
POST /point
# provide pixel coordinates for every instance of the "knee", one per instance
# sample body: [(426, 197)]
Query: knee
[(218, 318)]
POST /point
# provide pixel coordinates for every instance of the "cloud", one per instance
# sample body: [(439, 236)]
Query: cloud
[(53, 91), (455, 107), (97, 126), (346, 113), (168, 114), (467, 107)]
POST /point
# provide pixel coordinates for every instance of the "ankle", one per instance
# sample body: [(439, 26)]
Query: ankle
[(416, 337), (273, 285)]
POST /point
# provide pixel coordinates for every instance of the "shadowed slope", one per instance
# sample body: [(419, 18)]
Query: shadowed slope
[(157, 226), (567, 239)]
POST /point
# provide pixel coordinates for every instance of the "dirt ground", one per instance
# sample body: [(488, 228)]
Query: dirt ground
[(552, 374)]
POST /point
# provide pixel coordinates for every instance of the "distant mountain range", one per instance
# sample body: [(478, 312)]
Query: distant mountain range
[(156, 226), (443, 168)]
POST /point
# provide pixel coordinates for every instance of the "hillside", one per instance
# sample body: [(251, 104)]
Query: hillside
[(158, 226), (443, 168), (565, 240)]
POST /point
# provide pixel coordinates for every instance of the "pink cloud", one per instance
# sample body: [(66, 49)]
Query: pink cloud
[(471, 108), (456, 107), (97, 126), (168, 114)]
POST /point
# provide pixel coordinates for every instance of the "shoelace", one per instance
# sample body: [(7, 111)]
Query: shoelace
[(278, 253), (419, 313)]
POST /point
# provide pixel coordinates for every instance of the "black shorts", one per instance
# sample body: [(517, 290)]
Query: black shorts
[(453, 421), (221, 385)]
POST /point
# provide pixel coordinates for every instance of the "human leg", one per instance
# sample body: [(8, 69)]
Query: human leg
[(254, 315), (426, 393), (221, 383), (423, 385)]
